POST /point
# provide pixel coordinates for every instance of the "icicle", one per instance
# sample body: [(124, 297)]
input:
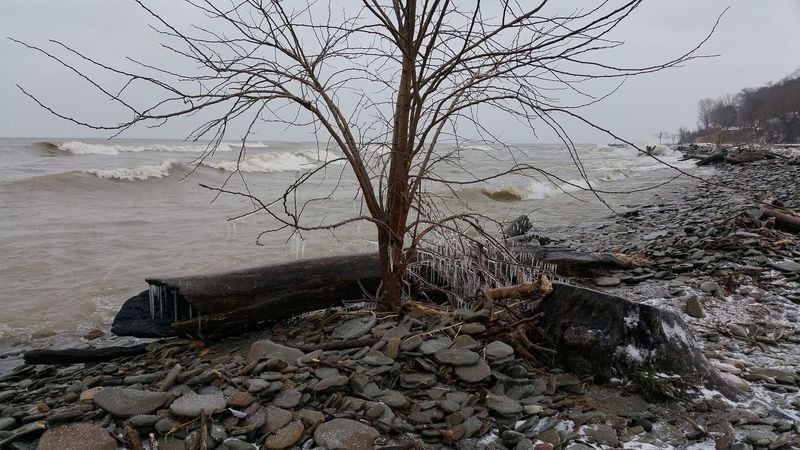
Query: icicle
[(199, 321), (152, 302), (175, 304), (190, 311)]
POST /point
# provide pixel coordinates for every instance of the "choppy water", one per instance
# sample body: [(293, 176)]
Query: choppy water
[(85, 221)]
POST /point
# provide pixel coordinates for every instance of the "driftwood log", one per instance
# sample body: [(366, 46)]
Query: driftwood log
[(209, 304), (82, 355), (785, 220)]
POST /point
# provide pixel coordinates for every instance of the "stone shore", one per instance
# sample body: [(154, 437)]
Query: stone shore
[(436, 378)]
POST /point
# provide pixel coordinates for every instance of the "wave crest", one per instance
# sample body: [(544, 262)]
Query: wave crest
[(276, 162), (140, 173), (86, 148)]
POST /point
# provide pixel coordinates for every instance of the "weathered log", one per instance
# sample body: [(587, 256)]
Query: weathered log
[(217, 302), (713, 158), (783, 220), (597, 333), (569, 262), (82, 355), (533, 290)]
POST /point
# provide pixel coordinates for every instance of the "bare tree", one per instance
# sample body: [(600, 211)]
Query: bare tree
[(403, 75)]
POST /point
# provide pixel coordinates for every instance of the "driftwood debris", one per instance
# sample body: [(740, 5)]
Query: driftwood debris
[(785, 219), (212, 303), (82, 355), (530, 290)]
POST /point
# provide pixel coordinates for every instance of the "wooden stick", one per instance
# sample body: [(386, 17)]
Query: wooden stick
[(203, 430), (133, 436)]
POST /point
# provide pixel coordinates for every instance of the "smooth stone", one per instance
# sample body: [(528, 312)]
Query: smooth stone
[(532, 410), (417, 380), (191, 405), (77, 436), (266, 347), (144, 421), (285, 437), (276, 418), (144, 379), (466, 342), (123, 402), (783, 376), (503, 405), (376, 358), (7, 423), (472, 328), (327, 383), (758, 437), (786, 266), (234, 444), (355, 328), (432, 346), (498, 350), (288, 399), (240, 400), (604, 434), (694, 308), (607, 281), (457, 357), (473, 374), (345, 434), (710, 287)]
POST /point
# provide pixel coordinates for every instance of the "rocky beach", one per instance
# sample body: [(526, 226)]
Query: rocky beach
[(434, 376)]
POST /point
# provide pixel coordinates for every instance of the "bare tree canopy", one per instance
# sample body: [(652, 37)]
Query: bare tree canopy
[(383, 83)]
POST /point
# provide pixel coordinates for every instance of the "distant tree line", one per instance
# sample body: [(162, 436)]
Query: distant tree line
[(768, 113)]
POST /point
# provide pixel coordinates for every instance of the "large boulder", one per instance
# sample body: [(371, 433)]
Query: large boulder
[(596, 333), (134, 319)]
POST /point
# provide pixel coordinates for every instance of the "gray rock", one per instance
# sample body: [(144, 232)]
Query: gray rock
[(288, 399), (760, 437), (497, 350), (786, 265), (77, 436), (285, 437), (190, 405), (432, 346), (417, 380), (607, 281), (266, 347), (7, 423), (694, 308), (473, 374), (457, 357), (465, 342), (503, 405), (604, 434), (129, 402), (329, 382), (345, 434), (144, 421), (376, 358), (710, 287), (235, 444), (355, 328), (276, 418)]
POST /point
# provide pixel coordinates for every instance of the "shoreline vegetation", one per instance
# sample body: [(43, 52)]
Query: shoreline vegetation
[(721, 257)]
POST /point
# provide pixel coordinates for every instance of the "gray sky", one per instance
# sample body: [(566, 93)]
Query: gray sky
[(758, 42)]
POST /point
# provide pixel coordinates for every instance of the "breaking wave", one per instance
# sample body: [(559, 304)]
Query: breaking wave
[(140, 173), (85, 148), (276, 162)]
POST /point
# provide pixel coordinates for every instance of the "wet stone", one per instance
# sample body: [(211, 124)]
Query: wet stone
[(417, 380), (694, 308), (503, 405), (345, 434), (240, 400), (330, 382), (473, 374), (276, 418), (497, 350), (129, 402), (466, 342), (285, 437), (288, 399), (376, 358), (191, 405), (607, 281), (78, 436), (472, 328), (457, 357), (355, 328), (432, 346), (267, 348)]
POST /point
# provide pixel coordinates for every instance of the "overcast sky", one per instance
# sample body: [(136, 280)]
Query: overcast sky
[(758, 42)]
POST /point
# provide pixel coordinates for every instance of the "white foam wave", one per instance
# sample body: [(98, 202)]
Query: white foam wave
[(275, 162), (85, 148), (136, 173)]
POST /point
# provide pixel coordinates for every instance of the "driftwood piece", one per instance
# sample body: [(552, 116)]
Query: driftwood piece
[(713, 158), (222, 302), (339, 345), (133, 437), (597, 333), (82, 355), (784, 220), (529, 291), (569, 262)]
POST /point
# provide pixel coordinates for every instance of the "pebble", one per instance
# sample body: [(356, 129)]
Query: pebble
[(191, 405), (129, 402), (355, 328), (473, 374), (694, 308), (285, 437), (77, 436), (345, 434), (457, 357)]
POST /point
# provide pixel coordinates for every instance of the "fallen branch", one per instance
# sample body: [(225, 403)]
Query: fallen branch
[(528, 291), (82, 355)]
